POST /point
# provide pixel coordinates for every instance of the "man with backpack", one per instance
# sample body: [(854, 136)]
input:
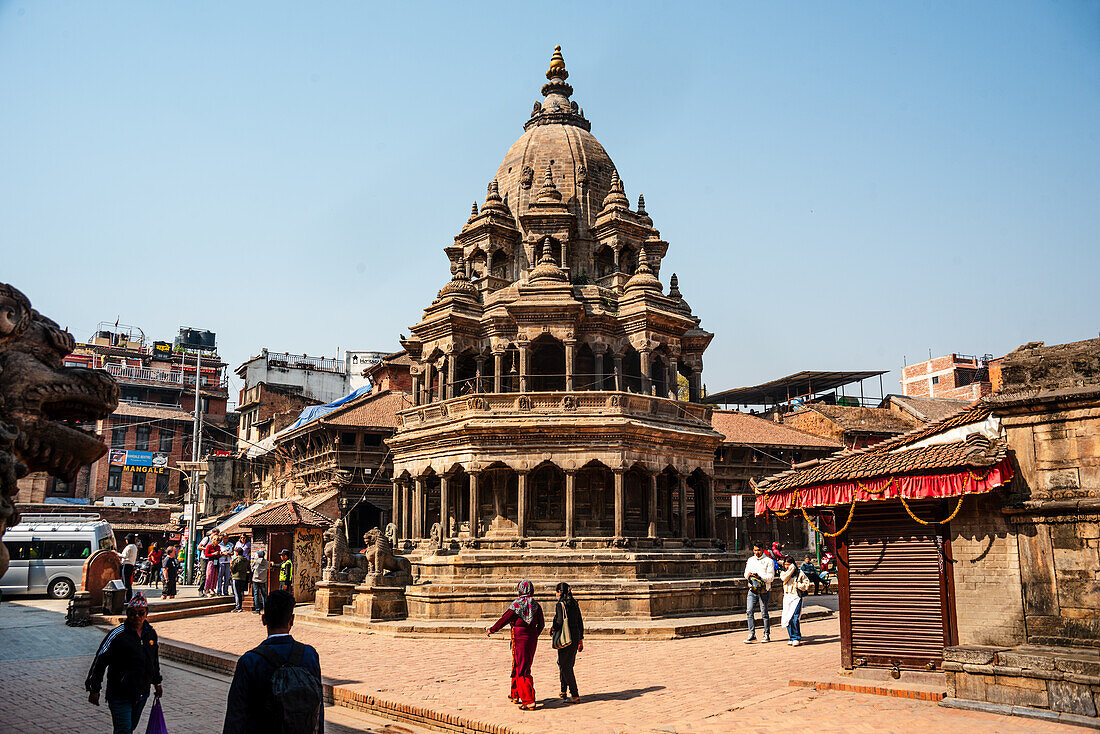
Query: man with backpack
[(276, 686)]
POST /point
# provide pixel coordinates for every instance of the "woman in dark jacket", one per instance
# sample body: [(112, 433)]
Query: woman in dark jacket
[(567, 617), (525, 617)]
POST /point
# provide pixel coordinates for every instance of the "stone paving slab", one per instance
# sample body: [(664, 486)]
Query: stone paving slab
[(43, 664), (708, 684)]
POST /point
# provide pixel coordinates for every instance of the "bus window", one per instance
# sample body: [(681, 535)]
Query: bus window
[(65, 549), (19, 550)]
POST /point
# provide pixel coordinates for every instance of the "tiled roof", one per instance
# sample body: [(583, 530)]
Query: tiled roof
[(865, 420), (376, 410), (286, 514), (319, 498), (743, 429), (892, 456), (145, 411), (929, 409)]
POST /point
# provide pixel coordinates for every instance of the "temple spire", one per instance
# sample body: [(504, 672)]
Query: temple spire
[(557, 66), (556, 107)]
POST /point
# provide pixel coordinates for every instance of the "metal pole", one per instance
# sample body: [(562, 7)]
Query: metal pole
[(192, 516)]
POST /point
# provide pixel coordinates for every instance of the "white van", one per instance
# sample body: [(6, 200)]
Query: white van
[(48, 552)]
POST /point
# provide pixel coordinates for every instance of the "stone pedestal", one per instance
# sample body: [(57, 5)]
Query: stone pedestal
[(332, 596), (80, 610), (380, 598)]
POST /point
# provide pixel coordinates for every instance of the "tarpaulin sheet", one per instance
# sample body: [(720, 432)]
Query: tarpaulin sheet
[(911, 487)]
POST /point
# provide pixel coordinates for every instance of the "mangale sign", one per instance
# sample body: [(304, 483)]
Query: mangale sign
[(142, 462)]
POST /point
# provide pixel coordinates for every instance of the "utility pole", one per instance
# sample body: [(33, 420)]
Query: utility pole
[(196, 439)]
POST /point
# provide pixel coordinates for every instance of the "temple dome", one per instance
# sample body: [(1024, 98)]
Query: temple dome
[(557, 135)]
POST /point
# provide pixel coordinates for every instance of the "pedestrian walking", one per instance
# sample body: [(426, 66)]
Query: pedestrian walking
[(795, 586), (169, 570), (276, 685), (259, 582), (286, 570), (156, 556), (225, 558), (241, 571), (525, 617), (130, 657), (200, 561), (567, 635), (760, 572), (129, 564), (211, 553)]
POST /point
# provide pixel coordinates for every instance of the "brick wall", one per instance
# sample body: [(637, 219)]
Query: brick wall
[(988, 597)]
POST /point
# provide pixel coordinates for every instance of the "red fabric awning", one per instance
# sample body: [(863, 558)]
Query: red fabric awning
[(911, 487)]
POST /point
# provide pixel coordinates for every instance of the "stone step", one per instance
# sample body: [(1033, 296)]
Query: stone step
[(211, 606)]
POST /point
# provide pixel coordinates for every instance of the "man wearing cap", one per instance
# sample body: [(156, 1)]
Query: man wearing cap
[(130, 656), (286, 570)]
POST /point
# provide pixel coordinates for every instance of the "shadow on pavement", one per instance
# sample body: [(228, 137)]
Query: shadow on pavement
[(626, 695)]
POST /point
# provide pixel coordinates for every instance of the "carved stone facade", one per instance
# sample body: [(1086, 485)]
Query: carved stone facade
[(545, 375)]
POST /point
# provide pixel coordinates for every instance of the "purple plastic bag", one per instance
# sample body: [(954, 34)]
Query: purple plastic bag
[(156, 720)]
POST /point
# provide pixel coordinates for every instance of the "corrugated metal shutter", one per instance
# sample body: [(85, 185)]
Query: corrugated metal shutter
[(895, 589)]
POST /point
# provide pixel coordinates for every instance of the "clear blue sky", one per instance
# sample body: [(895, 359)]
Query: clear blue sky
[(843, 185)]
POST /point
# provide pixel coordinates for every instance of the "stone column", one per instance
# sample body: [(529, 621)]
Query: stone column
[(416, 389), (620, 502), (599, 371), (478, 386), (498, 370), (695, 384), (570, 501), (521, 514), (475, 504), (444, 496), (406, 509), (616, 252), (395, 506), (619, 372), (452, 364), (570, 362), (647, 383), (418, 508), (653, 505), (427, 384), (673, 378), (682, 486), (524, 348), (441, 377)]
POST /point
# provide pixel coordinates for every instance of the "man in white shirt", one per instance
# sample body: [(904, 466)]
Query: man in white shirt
[(129, 563), (759, 571)]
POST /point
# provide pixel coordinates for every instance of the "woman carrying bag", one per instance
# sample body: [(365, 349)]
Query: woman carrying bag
[(795, 587), (567, 636)]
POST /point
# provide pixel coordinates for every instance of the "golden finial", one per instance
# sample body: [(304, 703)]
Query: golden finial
[(557, 65)]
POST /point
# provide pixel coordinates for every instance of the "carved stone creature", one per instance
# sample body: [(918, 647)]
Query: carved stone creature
[(436, 541), (43, 403), (380, 557), (336, 555), (391, 534)]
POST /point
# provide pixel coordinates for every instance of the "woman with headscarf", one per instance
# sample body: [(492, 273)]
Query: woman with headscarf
[(567, 633), (525, 617)]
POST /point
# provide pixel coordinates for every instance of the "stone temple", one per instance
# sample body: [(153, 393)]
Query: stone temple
[(555, 432)]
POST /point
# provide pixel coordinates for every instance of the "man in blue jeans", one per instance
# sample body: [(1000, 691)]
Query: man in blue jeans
[(130, 656), (760, 572)]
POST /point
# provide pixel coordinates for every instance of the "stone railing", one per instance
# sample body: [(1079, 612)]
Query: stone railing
[(595, 403)]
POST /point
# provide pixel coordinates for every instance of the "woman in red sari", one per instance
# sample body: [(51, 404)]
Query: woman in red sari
[(525, 617)]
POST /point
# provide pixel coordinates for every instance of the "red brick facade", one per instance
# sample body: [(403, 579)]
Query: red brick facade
[(951, 376)]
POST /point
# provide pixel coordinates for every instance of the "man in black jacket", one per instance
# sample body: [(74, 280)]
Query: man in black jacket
[(252, 707), (131, 658)]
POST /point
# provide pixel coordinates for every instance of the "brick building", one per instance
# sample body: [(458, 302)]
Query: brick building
[(151, 431), (278, 384), (753, 448), (958, 376), (992, 518)]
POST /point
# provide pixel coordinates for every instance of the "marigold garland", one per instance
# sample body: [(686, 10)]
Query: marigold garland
[(933, 522), (863, 488), (851, 514)]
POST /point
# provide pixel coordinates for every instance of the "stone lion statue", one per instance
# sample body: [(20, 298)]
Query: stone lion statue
[(39, 397), (380, 557)]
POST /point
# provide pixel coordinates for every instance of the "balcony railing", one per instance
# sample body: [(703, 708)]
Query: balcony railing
[(151, 376), (580, 403), (303, 362)]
